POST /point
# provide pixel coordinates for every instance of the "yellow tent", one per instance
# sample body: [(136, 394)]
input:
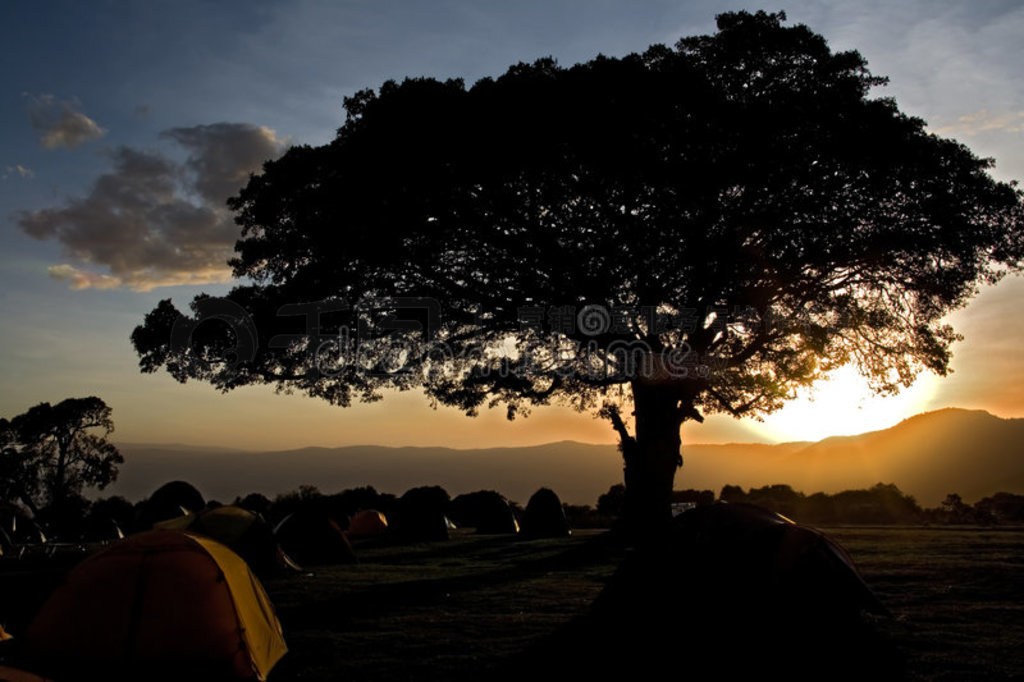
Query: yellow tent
[(159, 605), (245, 532)]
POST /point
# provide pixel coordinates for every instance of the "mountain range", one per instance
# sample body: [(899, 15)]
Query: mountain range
[(970, 452)]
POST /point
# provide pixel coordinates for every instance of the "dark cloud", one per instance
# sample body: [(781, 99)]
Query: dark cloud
[(223, 155), (59, 122), (155, 222)]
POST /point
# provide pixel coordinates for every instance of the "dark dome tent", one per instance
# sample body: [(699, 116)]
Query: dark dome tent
[(169, 501), (17, 528), (734, 578), (544, 516), (485, 510), (311, 537), (420, 515)]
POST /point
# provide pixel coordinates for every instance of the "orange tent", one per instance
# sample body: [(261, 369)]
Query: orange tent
[(159, 605), (367, 523)]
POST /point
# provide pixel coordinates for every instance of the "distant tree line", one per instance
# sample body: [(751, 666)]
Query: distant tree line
[(882, 503)]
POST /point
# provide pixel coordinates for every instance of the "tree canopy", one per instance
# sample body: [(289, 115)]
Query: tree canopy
[(699, 229), (50, 452)]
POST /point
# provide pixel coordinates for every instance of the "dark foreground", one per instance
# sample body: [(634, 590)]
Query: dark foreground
[(498, 607), (495, 605)]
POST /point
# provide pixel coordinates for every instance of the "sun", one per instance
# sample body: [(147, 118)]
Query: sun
[(843, 405)]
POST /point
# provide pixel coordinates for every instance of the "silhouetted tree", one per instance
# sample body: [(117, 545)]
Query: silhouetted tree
[(732, 493), (352, 500), (685, 231), (818, 508), (955, 510), (882, 503), (51, 452), (610, 503), (307, 497), (779, 498), (1002, 507), (255, 502), (694, 496)]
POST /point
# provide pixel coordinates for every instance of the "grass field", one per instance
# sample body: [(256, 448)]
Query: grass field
[(957, 597), (437, 611), (458, 609), (481, 606)]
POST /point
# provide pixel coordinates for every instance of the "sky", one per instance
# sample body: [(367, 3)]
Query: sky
[(125, 125)]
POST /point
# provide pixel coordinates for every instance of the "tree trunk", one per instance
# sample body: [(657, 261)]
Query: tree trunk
[(651, 460)]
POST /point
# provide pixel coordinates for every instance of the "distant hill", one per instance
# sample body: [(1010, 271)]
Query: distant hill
[(969, 452), (579, 472)]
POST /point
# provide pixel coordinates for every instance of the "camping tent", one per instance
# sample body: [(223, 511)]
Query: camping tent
[(240, 529), (310, 536), (747, 592), (368, 523), (18, 528), (487, 511), (158, 605), (420, 515), (169, 501), (544, 516)]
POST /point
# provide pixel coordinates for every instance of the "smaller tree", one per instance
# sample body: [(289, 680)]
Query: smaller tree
[(955, 510), (732, 493), (610, 503), (51, 452)]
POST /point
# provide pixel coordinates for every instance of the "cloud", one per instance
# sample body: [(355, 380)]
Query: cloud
[(59, 122), (153, 221), (17, 169), (82, 279), (983, 121), (223, 155)]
